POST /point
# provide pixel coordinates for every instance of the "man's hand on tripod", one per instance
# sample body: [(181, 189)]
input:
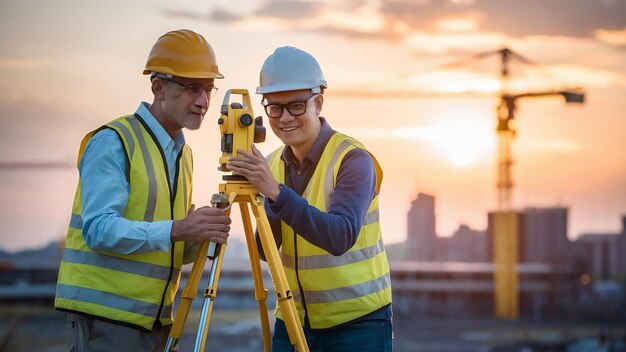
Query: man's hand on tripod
[(254, 167), (204, 224)]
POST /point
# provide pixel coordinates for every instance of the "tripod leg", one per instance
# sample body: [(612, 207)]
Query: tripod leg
[(284, 297), (187, 296), (216, 255), (207, 249), (260, 293), (209, 297)]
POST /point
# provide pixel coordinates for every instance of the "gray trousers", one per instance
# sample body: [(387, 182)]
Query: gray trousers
[(92, 335)]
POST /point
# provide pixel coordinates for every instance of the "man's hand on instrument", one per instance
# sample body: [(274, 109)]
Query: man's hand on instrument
[(204, 224), (254, 167)]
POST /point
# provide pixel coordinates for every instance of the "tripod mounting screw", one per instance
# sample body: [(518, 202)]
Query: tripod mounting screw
[(219, 200)]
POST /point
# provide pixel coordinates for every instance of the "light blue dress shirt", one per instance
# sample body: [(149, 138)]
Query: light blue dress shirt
[(105, 193)]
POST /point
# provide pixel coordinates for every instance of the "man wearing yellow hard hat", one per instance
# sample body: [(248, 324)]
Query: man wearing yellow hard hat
[(133, 225)]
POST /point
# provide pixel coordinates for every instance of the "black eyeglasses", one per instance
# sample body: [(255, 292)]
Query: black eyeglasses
[(295, 108), (194, 88)]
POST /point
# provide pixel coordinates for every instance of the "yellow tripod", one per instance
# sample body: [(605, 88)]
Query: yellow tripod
[(241, 192), (239, 130)]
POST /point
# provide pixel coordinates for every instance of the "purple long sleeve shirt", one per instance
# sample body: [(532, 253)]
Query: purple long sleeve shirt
[(335, 230)]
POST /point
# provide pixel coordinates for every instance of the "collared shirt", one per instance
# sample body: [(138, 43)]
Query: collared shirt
[(337, 229), (105, 192)]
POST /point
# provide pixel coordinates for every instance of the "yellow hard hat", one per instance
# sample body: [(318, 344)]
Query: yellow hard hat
[(183, 53)]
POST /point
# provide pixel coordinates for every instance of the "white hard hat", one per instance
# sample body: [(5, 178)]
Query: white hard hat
[(290, 68)]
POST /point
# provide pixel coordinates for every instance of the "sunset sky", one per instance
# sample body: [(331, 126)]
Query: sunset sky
[(426, 105)]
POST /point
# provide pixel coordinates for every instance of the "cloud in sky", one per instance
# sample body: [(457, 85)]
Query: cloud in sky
[(431, 29), (393, 19), (23, 64), (290, 10), (614, 37), (576, 18)]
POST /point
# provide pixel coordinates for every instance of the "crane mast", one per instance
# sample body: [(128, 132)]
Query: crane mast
[(506, 134)]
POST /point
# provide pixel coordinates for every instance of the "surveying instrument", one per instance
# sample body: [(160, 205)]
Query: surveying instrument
[(239, 130)]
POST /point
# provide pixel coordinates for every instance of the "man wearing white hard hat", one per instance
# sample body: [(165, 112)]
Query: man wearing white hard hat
[(322, 188)]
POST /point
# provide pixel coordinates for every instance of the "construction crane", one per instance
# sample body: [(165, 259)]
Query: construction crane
[(505, 222), (505, 110), (506, 132)]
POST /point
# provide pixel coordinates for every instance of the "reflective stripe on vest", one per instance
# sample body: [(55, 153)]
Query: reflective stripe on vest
[(337, 289), (134, 289), (148, 164)]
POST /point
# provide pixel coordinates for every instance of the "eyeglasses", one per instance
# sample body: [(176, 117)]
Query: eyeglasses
[(194, 88), (295, 108)]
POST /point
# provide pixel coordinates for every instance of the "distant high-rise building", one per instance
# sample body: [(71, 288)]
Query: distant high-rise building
[(596, 255), (544, 239), (421, 232), (621, 248), (467, 245), (542, 236), (600, 255)]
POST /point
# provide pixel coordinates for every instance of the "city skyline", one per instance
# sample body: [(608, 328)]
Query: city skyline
[(69, 68)]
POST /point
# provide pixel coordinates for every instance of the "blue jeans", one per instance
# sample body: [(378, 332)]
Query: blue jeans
[(362, 336)]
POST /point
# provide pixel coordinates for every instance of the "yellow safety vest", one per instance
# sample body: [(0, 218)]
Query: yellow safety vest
[(335, 289), (134, 289)]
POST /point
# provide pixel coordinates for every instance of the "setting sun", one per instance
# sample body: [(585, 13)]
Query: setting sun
[(460, 140), (462, 143)]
